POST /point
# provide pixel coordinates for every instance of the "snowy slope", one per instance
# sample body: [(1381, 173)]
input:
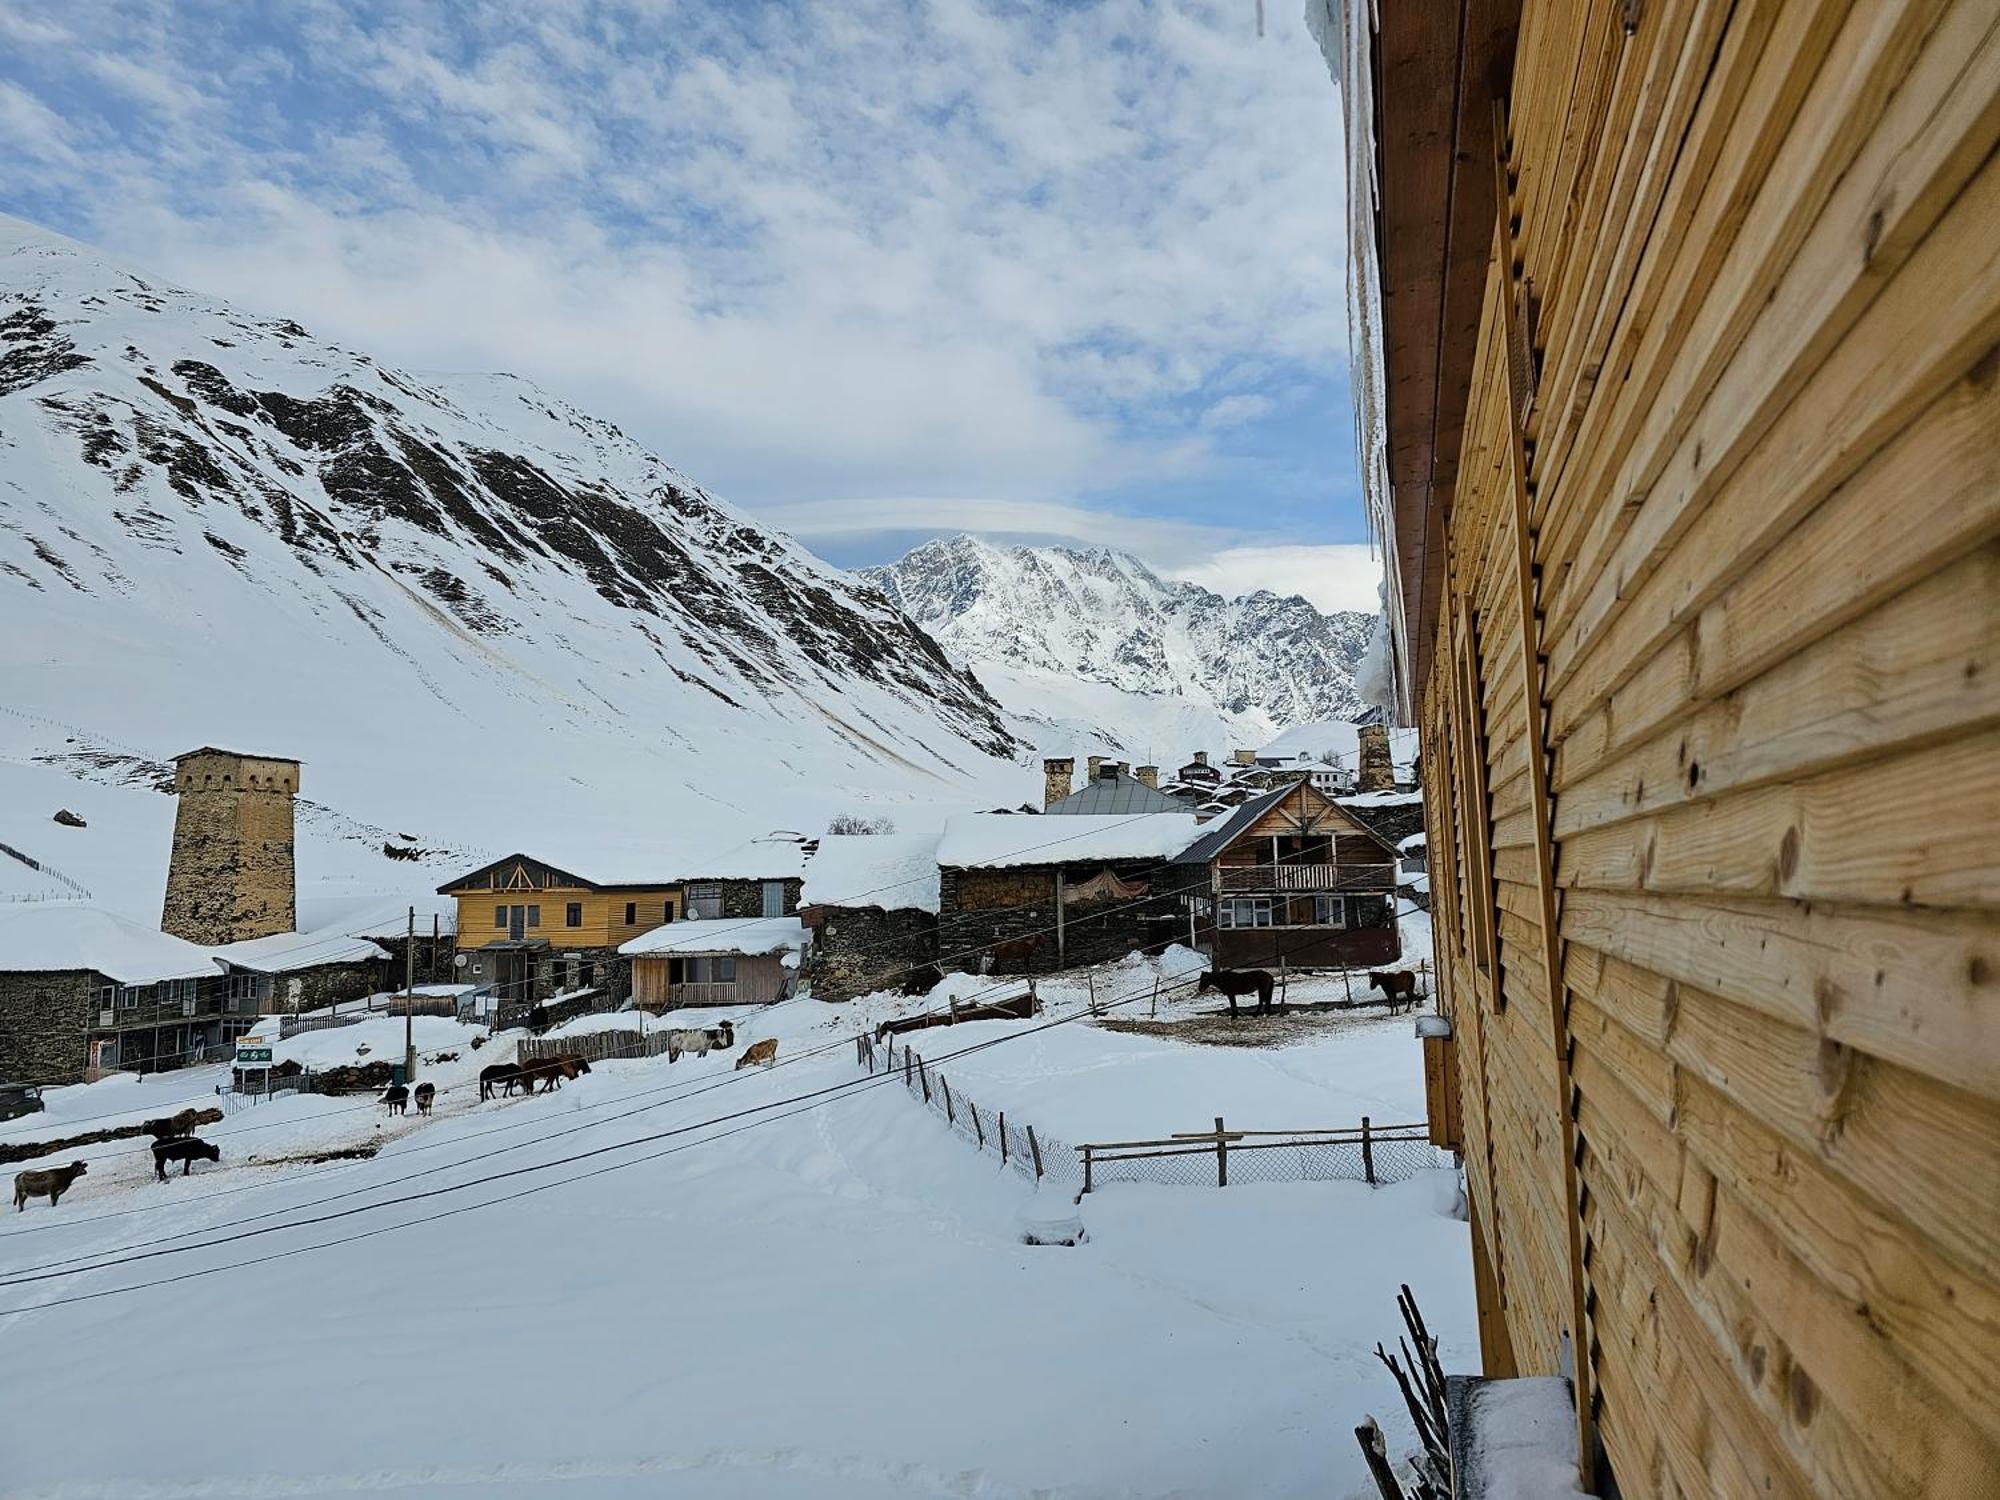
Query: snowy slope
[(1095, 639), (481, 617)]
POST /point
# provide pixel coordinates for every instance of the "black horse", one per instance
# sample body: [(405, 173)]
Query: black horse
[(1235, 983)]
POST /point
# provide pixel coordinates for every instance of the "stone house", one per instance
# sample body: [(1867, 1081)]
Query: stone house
[(1291, 879), (1019, 894), (758, 878), (83, 988), (296, 971), (871, 903)]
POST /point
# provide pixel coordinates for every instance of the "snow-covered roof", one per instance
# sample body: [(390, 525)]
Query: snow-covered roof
[(46, 937), (375, 916), (895, 871), (1341, 739), (289, 952), (773, 856), (997, 840), (1114, 795), (1379, 799), (1414, 841), (747, 935)]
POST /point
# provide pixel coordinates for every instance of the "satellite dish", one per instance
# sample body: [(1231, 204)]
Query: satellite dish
[(460, 960)]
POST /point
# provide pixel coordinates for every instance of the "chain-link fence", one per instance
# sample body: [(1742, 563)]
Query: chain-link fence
[(1018, 1145)]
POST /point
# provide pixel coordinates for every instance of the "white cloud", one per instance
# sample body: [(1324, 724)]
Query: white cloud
[(1330, 577), (1234, 411), (866, 248), (1152, 539)]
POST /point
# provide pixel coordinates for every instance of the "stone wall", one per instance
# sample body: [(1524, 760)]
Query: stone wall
[(45, 1022), (230, 876), (859, 949), (331, 984), (1011, 916)]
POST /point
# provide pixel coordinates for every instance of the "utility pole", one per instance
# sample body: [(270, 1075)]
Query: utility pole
[(410, 1000)]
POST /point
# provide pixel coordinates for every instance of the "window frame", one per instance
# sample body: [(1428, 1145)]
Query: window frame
[(499, 919), (572, 914)]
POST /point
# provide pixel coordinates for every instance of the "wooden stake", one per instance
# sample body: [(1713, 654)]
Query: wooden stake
[(1367, 1153), (1003, 1137), (1221, 1155), (1036, 1147)]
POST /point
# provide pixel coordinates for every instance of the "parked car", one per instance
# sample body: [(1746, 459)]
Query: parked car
[(18, 1099)]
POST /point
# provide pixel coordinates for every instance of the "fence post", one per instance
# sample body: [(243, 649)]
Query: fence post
[(925, 1079), (1221, 1156), (1154, 1011), (1284, 983), (906, 1065), (1003, 1137), (1086, 1168), (1036, 1147), (1367, 1153), (977, 1128), (949, 1117), (1091, 980)]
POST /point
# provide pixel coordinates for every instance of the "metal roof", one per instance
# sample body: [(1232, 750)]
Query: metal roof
[(1116, 796)]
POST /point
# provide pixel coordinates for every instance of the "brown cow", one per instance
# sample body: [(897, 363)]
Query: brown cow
[(764, 1052), (54, 1181), (425, 1093)]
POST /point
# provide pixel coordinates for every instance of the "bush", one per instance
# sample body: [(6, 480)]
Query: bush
[(854, 823)]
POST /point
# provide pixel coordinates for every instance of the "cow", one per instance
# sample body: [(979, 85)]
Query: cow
[(1398, 987), (688, 1039), (722, 1036), (168, 1127), (1012, 957), (425, 1093), (187, 1151), (764, 1052), (54, 1181), (396, 1097), (1236, 983), (505, 1073)]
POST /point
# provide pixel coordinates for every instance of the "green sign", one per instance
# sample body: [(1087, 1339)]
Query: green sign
[(253, 1055)]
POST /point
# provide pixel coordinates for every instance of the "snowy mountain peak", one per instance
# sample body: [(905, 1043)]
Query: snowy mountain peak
[(1094, 640), (471, 608)]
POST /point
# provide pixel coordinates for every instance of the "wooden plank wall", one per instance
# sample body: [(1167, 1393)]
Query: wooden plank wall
[(1762, 474)]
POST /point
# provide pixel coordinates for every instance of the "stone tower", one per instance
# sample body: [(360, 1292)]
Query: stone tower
[(1377, 771), (1056, 774), (231, 875)]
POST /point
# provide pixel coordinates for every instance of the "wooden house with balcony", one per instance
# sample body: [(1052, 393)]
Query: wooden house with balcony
[(1291, 878), (1677, 351), (717, 961), (529, 929), (83, 989)]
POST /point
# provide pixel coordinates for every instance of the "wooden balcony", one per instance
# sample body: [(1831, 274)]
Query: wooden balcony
[(705, 994), (1304, 879)]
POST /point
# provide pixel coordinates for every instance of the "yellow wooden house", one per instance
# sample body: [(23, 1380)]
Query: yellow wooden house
[(534, 929)]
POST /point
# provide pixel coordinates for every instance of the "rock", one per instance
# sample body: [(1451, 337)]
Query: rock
[(69, 819)]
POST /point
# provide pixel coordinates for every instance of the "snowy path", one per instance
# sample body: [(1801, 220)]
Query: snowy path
[(833, 1304)]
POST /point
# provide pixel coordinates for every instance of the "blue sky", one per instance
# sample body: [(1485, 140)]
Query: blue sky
[(876, 271)]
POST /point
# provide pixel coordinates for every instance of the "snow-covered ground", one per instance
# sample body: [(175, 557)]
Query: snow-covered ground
[(783, 1282)]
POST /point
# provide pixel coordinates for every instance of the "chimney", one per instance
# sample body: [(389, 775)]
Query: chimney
[(230, 875), (1111, 770), (1090, 773), (1056, 774), (1201, 758), (1243, 757), (1149, 776), (1376, 772)]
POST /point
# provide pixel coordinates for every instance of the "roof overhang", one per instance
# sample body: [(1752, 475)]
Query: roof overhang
[(1426, 75)]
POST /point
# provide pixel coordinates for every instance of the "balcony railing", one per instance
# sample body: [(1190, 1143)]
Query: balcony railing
[(704, 994), (1304, 879)]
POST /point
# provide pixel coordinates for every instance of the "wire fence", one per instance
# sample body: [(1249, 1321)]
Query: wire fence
[(1374, 1154), (1018, 1145)]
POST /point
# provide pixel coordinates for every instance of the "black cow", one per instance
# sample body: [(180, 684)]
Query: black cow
[(187, 1151)]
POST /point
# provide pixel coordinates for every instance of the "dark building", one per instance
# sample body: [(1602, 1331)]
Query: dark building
[(1029, 895), (760, 878), (1291, 878), (871, 901)]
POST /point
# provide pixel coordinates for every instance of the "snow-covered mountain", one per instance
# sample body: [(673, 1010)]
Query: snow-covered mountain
[(481, 617), (1093, 643)]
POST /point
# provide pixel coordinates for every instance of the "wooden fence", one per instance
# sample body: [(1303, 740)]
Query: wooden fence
[(595, 1046)]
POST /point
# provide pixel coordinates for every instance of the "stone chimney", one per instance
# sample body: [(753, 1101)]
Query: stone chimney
[(1056, 774), (1111, 770), (1148, 776), (1090, 771), (1376, 771), (231, 875), (1243, 757), (1201, 757)]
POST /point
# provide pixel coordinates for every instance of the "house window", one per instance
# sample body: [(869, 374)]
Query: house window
[(534, 916), (711, 971), (725, 971), (1244, 911), (666, 911), (573, 914), (631, 913), (1330, 911), (774, 898), (704, 900), (128, 997), (499, 916)]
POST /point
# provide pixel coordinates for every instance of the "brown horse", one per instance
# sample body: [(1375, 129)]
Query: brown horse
[(1398, 986), (1235, 983)]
